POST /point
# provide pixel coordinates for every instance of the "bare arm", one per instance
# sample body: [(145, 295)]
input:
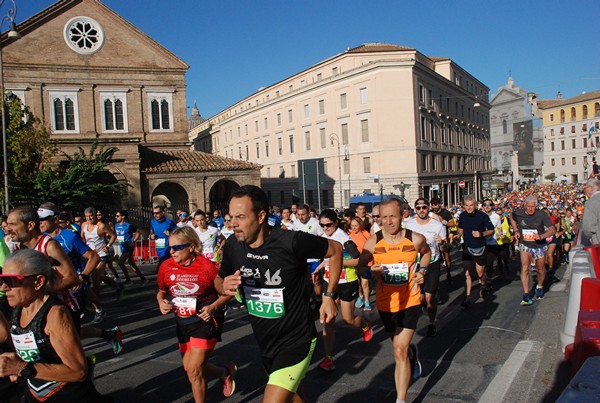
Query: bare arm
[(92, 262), (67, 277), (104, 231)]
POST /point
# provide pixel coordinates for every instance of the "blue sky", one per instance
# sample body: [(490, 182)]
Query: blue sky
[(235, 47)]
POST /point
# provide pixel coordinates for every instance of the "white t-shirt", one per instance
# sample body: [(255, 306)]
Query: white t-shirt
[(209, 241), (428, 230), (497, 223), (312, 226)]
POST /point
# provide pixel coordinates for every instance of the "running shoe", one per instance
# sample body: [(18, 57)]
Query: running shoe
[(327, 364), (526, 300), (229, 380), (116, 339), (99, 316), (367, 331), (143, 282), (368, 307), (449, 278), (539, 293), (359, 302), (415, 364), (466, 303), (128, 283), (431, 330)]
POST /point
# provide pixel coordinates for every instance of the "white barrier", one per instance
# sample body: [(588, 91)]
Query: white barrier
[(585, 385), (580, 267)]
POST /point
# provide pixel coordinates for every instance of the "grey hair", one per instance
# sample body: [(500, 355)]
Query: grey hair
[(593, 183), (469, 198), (90, 210), (32, 262), (531, 198)]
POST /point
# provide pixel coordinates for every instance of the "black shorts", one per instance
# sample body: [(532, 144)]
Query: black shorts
[(346, 291), (432, 278), (201, 329), (288, 357), (127, 247), (405, 319), (480, 260)]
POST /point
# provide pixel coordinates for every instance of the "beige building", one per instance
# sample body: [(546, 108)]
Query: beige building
[(90, 75), (375, 118), (571, 135)]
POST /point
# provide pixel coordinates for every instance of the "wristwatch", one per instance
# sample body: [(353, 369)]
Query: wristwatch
[(332, 294), (28, 371)]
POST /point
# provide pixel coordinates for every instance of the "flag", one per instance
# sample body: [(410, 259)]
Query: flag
[(592, 129)]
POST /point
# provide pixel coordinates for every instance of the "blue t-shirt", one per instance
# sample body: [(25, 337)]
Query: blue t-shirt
[(159, 228), (219, 221), (478, 221), (75, 248), (125, 232)]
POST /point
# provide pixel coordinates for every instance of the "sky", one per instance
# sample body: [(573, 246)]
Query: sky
[(234, 48)]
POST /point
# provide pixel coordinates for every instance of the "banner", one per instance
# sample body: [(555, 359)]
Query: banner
[(523, 142)]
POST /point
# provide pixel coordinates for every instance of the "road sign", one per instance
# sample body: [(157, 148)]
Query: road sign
[(461, 184), (485, 185), (435, 187)]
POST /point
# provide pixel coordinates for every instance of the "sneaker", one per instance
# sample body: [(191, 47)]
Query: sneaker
[(367, 331), (415, 364), (368, 307), (359, 302), (539, 293), (466, 303), (120, 292), (116, 340), (128, 283), (229, 380), (526, 300), (449, 278), (143, 282), (483, 292), (99, 316), (327, 364), (91, 361), (431, 330)]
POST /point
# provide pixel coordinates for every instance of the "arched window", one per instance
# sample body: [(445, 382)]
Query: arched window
[(562, 116), (597, 109), (573, 114), (585, 112), (504, 127)]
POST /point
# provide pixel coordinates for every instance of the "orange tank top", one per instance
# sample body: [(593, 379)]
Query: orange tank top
[(396, 289)]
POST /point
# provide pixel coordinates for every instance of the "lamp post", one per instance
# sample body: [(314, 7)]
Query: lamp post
[(462, 175), (332, 137), (347, 158), (10, 17)]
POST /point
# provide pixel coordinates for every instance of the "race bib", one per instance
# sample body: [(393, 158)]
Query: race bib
[(120, 239), (26, 346), (264, 302), (161, 243), (209, 255), (184, 306), (395, 274), (343, 278), (528, 234)]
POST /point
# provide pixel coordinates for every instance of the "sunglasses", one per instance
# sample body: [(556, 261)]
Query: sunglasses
[(14, 280), (487, 204), (157, 212), (325, 225), (375, 215), (418, 208), (179, 247)]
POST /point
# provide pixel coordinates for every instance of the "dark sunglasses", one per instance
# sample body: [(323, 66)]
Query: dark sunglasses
[(14, 280), (421, 207), (487, 204), (179, 247), (326, 225), (376, 215), (157, 212)]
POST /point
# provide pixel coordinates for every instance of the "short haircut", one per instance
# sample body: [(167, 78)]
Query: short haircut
[(392, 200), (27, 214), (593, 183), (199, 212), (304, 207), (530, 199), (469, 198), (159, 206), (329, 213), (421, 200), (32, 262), (90, 210), (260, 201), (123, 213), (436, 200)]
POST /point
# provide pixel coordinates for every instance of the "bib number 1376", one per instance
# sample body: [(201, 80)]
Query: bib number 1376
[(264, 302)]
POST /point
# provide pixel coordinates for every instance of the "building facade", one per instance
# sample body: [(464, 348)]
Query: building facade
[(571, 136), (377, 118), (517, 140), (91, 76)]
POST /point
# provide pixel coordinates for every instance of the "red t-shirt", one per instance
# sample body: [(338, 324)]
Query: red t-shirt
[(190, 287)]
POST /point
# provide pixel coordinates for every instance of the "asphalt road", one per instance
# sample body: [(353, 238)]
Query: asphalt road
[(496, 351)]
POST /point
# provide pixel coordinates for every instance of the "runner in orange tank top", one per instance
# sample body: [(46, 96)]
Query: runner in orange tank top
[(394, 252)]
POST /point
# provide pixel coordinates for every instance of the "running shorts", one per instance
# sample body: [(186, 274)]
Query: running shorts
[(287, 369), (346, 291), (405, 319), (432, 278), (537, 253)]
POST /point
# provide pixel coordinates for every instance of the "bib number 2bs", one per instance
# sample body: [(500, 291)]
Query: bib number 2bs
[(395, 274), (265, 302)]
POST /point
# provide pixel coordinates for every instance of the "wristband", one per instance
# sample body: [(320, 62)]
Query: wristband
[(424, 268)]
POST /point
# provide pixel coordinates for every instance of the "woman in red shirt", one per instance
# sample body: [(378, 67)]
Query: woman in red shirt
[(359, 236), (186, 288)]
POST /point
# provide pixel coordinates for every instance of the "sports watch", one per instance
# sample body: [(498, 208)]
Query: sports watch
[(331, 294), (28, 371)]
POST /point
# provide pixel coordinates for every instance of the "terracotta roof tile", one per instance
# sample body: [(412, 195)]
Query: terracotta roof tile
[(154, 161), (378, 47), (553, 103)]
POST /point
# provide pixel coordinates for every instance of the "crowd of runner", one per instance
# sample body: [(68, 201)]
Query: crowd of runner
[(284, 266)]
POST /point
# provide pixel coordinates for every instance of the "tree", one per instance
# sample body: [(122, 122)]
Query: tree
[(83, 180), (551, 176)]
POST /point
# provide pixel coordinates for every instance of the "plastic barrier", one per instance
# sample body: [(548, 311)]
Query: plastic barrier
[(587, 339), (594, 251), (137, 251), (585, 386), (590, 294), (145, 251), (581, 267)]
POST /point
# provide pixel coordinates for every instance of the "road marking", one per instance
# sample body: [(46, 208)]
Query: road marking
[(497, 389)]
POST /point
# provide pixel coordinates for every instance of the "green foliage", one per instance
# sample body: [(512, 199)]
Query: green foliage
[(551, 176), (79, 181)]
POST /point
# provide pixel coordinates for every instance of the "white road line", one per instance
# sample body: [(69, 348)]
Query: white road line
[(501, 383)]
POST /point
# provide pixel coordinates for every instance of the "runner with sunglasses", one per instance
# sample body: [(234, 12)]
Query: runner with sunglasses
[(347, 286), (127, 236), (160, 228), (186, 288)]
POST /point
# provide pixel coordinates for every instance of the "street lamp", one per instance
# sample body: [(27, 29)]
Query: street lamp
[(13, 34), (462, 176), (332, 137), (347, 158)]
